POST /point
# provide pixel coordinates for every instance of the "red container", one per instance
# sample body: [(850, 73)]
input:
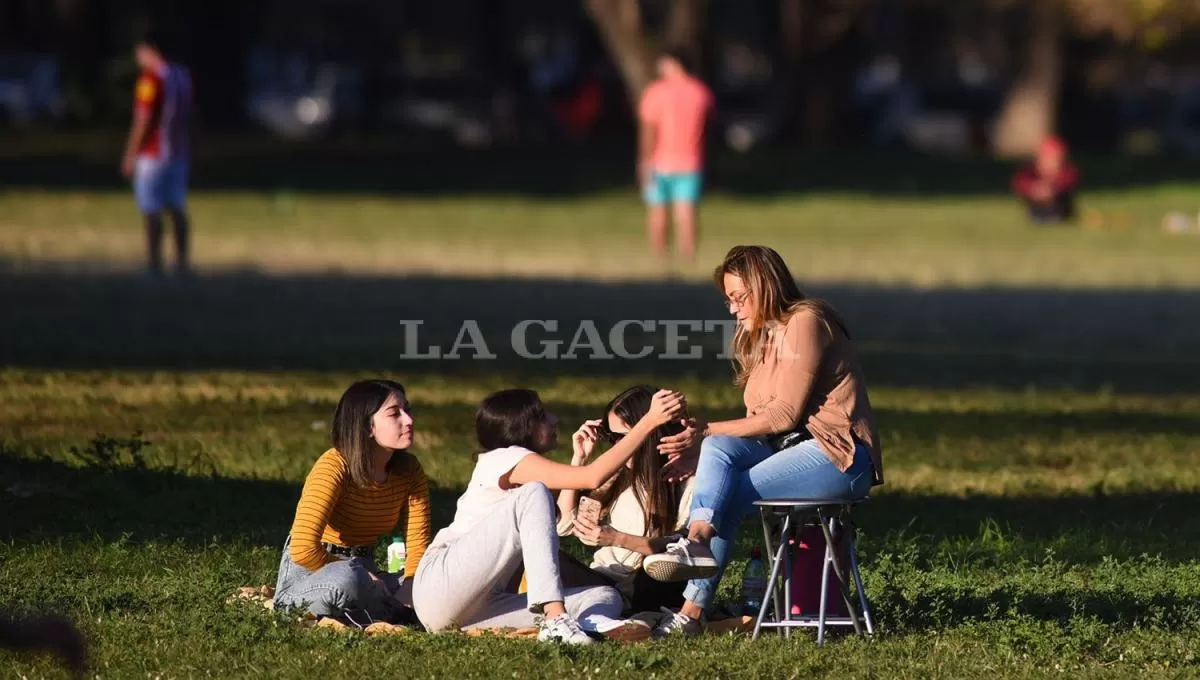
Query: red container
[(808, 558)]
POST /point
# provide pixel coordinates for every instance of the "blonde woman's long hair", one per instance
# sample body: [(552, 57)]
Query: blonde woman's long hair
[(777, 297)]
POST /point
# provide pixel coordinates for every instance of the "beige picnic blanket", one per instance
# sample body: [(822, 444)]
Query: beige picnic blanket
[(263, 595)]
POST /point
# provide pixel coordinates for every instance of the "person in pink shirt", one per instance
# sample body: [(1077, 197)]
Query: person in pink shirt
[(1048, 184), (673, 113)]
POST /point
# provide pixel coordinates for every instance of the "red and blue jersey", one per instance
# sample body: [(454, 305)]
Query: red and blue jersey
[(166, 97)]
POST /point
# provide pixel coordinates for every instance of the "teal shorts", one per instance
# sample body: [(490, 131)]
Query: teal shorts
[(683, 187)]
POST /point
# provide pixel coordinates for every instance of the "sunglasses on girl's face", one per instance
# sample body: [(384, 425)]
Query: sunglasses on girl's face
[(608, 434)]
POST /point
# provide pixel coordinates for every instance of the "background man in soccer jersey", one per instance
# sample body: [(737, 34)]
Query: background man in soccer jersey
[(157, 152)]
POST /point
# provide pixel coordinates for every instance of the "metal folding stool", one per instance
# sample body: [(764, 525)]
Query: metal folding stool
[(788, 515)]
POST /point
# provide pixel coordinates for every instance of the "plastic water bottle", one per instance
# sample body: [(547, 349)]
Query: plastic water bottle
[(754, 583), (397, 555)]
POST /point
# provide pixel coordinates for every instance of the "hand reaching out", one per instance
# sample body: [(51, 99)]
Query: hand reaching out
[(583, 442), (682, 450)]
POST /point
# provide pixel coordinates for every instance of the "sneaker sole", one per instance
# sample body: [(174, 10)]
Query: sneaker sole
[(628, 632), (560, 641), (677, 633), (670, 571)]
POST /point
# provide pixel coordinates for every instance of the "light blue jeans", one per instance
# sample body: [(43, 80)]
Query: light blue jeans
[(341, 589), (733, 472)]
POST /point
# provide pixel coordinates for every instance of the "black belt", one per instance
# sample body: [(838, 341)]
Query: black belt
[(348, 551)]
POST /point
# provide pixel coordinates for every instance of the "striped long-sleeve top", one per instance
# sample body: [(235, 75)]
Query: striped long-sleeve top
[(333, 510)]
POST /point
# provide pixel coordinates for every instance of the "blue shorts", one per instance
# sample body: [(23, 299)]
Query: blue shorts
[(682, 187), (159, 184)]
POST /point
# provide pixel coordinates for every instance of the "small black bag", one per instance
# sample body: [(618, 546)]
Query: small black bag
[(786, 440)]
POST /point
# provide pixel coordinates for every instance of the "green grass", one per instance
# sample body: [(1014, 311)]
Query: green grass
[(372, 208), (990, 550), (981, 241), (1037, 394)]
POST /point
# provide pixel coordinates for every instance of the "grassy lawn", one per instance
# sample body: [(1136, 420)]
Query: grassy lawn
[(1038, 395), (888, 220), (957, 242)]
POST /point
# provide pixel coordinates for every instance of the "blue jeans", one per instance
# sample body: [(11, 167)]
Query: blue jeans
[(733, 472), (340, 589)]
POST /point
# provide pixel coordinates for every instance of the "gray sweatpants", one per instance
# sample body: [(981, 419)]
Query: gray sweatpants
[(461, 584)]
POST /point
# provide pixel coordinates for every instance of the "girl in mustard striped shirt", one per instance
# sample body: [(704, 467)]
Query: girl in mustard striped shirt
[(355, 493)]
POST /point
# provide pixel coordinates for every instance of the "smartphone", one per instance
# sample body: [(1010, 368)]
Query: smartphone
[(590, 508)]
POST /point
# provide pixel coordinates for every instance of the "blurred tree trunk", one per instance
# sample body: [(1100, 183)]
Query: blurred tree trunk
[(685, 26), (792, 26), (1028, 113), (791, 31), (620, 26), (820, 58), (623, 31)]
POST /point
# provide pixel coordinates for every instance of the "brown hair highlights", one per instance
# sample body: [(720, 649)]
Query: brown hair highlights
[(776, 298)]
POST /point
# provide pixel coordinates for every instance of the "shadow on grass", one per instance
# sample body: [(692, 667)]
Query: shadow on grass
[(935, 535), (940, 606), (993, 530), (1004, 559), (924, 338), (45, 499), (384, 167), (54, 500)]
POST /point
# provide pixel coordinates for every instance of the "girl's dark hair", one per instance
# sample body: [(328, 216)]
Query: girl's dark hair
[(351, 430), (162, 40), (658, 498), (510, 418)]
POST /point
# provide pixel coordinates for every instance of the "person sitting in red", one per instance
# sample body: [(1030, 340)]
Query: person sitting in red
[(1048, 184)]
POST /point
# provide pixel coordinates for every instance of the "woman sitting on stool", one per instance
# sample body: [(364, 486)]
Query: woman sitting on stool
[(809, 431)]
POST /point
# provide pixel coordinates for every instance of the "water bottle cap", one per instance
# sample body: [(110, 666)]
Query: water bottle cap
[(756, 552), (397, 539)]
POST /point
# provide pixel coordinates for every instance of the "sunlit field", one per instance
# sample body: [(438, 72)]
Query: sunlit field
[(1037, 392)]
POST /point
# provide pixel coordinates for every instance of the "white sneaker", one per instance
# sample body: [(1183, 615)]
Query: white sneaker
[(564, 629), (674, 623), (683, 560)]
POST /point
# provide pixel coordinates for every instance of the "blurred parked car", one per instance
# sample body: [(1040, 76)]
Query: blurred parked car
[(29, 87), (297, 97), (950, 115)]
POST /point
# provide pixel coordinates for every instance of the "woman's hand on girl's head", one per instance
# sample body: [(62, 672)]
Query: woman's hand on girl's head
[(583, 442), (593, 534), (666, 406)]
